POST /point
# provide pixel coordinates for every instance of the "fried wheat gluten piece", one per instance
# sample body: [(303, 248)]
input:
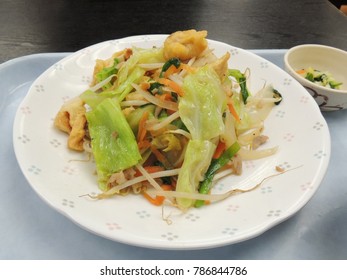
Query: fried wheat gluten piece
[(72, 120), (185, 44)]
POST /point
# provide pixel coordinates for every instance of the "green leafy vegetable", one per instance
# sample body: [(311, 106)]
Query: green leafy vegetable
[(334, 84), (123, 89), (107, 72), (172, 61), (322, 78), (139, 56), (134, 117), (155, 86), (167, 142), (93, 99), (309, 76), (201, 109), (113, 142), (196, 162), (215, 165), (241, 79)]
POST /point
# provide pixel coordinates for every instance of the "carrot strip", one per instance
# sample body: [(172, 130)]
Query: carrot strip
[(159, 155), (233, 112), (149, 169), (171, 84), (153, 168), (171, 70), (165, 96), (219, 150), (301, 71), (145, 86), (141, 133), (144, 144), (158, 200)]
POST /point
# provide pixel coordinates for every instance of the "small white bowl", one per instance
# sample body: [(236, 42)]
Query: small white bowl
[(323, 58)]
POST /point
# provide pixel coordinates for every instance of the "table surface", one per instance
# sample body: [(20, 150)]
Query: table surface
[(319, 231), (33, 26)]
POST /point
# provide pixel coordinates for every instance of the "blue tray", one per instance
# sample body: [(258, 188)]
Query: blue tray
[(31, 230)]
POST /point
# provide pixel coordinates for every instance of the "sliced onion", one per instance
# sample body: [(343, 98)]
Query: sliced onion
[(177, 79), (247, 137), (150, 66), (129, 103), (102, 83), (256, 154), (180, 131), (190, 63), (163, 123)]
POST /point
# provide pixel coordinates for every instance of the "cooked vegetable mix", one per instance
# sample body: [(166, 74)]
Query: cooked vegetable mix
[(164, 122), (322, 78)]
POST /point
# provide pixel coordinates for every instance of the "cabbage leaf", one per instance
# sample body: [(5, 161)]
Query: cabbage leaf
[(201, 110), (196, 162), (112, 140), (202, 106)]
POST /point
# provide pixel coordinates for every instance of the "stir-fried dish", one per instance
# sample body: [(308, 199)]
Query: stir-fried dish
[(168, 121)]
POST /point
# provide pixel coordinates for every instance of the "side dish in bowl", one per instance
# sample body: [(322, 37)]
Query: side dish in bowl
[(322, 70)]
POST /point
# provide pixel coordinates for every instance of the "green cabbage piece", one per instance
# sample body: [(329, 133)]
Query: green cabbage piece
[(167, 142), (202, 106), (107, 72), (134, 117), (197, 159), (139, 56), (125, 87), (93, 99), (113, 142), (201, 110)]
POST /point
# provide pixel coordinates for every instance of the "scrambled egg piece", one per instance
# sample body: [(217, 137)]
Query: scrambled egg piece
[(71, 119), (185, 44)]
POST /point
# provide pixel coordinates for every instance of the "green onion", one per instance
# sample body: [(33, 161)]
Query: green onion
[(241, 79), (215, 165), (172, 61)]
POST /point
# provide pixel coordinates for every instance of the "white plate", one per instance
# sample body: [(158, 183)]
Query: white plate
[(59, 178)]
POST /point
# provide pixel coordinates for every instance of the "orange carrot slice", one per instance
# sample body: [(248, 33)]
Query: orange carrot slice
[(219, 150), (171, 84), (157, 200), (233, 112)]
